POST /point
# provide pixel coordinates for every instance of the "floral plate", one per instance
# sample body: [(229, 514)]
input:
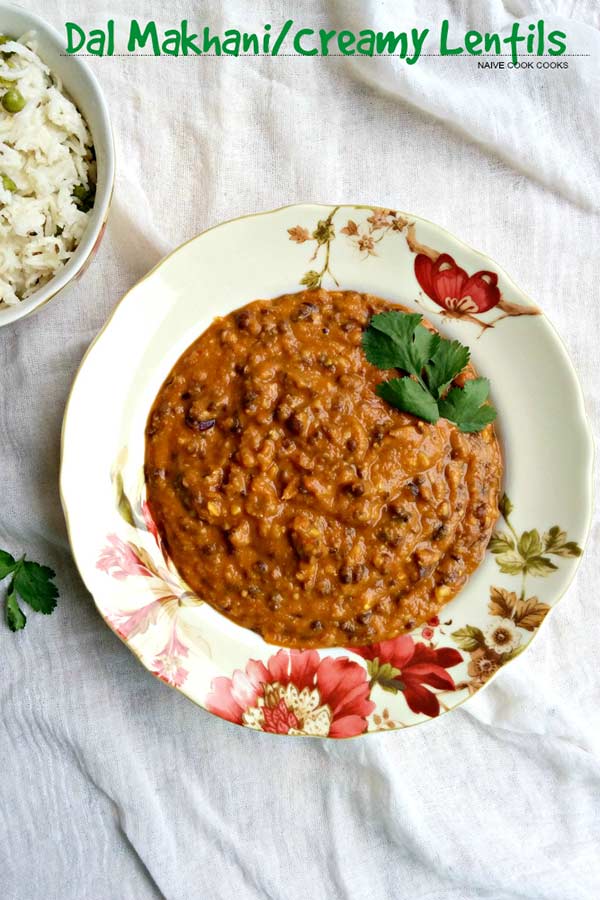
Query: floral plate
[(335, 693)]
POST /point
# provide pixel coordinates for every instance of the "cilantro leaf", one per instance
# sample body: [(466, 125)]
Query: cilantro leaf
[(380, 350), (449, 359), (30, 582), (410, 396), (399, 326), (385, 352), (409, 355), (15, 617), (464, 406), (425, 345), (7, 564), (397, 340), (33, 584)]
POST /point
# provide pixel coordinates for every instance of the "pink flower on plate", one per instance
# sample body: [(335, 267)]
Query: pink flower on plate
[(168, 663), (129, 623), (150, 523), (297, 692), (401, 665), (427, 633), (169, 670), (119, 559)]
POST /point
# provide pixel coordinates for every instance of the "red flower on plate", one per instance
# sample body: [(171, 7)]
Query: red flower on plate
[(400, 664), (296, 692), (451, 288)]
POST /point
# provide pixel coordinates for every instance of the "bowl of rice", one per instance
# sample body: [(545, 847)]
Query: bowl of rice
[(56, 164)]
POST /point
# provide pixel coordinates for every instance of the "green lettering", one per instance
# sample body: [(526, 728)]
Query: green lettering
[(558, 41), (96, 42), (325, 37), (492, 43), (540, 37), (366, 44), (172, 41), (298, 42), (266, 38), (250, 43), (418, 38), (530, 38), (513, 40), (345, 40), (445, 50), (472, 41), (387, 43), (282, 36), (73, 31), (209, 42), (139, 37), (187, 40), (111, 37), (231, 44)]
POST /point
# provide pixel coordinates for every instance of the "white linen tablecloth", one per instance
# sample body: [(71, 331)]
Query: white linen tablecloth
[(113, 786)]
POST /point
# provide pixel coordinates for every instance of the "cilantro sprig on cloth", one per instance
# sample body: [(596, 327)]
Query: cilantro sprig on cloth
[(31, 583), (396, 340)]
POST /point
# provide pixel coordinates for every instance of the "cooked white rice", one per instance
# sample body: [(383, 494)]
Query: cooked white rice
[(45, 152)]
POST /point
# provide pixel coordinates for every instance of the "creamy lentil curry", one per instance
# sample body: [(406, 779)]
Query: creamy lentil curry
[(296, 501)]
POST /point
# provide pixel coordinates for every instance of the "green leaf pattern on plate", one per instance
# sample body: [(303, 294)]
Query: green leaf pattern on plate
[(512, 615)]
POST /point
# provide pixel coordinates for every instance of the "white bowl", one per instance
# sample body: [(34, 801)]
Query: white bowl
[(81, 85)]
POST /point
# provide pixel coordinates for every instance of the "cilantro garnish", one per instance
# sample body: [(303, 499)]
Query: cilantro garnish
[(396, 340), (467, 407), (31, 583), (410, 396)]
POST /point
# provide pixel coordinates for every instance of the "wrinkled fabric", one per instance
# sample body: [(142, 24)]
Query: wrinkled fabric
[(115, 786)]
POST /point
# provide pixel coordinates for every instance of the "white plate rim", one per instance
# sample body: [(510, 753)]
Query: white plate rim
[(449, 238)]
